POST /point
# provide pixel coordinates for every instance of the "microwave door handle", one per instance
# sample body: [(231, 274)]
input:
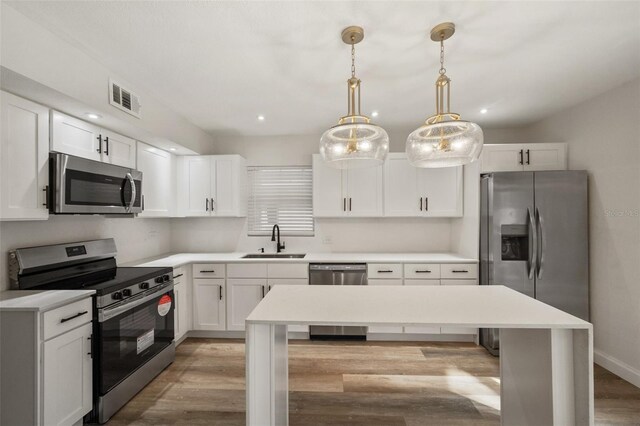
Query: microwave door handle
[(133, 191)]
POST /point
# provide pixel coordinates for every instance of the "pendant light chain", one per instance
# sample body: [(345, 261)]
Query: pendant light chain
[(353, 58), (442, 68)]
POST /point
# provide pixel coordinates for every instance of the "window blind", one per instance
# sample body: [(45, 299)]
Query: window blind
[(282, 195)]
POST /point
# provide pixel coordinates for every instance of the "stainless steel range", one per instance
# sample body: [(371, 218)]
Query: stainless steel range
[(133, 313)]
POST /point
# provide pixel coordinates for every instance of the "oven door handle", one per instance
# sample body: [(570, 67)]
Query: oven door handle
[(105, 314)]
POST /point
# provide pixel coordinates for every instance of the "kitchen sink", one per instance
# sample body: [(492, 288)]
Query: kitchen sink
[(273, 256)]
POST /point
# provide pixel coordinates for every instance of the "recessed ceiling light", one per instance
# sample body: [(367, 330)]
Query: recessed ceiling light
[(93, 116), (261, 117), (374, 114), (483, 111), (172, 149)]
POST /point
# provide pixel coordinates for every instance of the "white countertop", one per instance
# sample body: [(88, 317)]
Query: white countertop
[(453, 306), (37, 300), (179, 259)]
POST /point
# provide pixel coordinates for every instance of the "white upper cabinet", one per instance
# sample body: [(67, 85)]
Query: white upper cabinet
[(213, 185), (119, 150), (81, 139), (354, 192), (419, 192), (158, 186), (24, 150), (524, 157)]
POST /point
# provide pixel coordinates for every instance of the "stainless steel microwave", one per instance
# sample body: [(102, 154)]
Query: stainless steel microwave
[(81, 186)]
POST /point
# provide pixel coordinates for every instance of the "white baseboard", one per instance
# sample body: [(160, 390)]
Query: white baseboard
[(617, 367)]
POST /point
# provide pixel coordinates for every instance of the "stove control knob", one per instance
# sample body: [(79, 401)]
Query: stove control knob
[(158, 280), (166, 278), (144, 285), (116, 296), (126, 292)]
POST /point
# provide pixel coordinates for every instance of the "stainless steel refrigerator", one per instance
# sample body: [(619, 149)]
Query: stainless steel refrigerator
[(534, 239)]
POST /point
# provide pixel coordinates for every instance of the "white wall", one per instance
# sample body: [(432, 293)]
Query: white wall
[(36, 53), (604, 138), (135, 238)]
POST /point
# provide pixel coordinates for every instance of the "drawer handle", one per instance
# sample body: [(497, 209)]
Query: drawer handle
[(210, 272), (460, 271), (385, 271), (426, 271), (79, 314), (179, 275)]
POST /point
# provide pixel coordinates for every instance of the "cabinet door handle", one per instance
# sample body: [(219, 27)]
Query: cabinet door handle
[(99, 150), (106, 141), (521, 159), (90, 339), (460, 271), (220, 288), (425, 271), (344, 204), (420, 203), (262, 291), (79, 314), (426, 204), (349, 203), (142, 196), (207, 271), (206, 202), (528, 157), (384, 271), (177, 276), (212, 208), (46, 196)]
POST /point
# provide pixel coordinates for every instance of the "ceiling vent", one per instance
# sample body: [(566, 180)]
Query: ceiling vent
[(124, 99)]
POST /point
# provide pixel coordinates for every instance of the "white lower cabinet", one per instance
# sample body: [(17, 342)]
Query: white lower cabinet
[(459, 330), (383, 328), (182, 295), (423, 329), (47, 363), (68, 373), (244, 294), (209, 304)]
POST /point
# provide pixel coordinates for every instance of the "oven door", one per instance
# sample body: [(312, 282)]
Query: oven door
[(81, 186), (131, 333)]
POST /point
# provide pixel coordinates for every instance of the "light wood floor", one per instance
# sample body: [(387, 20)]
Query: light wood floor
[(350, 383)]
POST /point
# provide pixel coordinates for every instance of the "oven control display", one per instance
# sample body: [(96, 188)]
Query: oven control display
[(76, 251)]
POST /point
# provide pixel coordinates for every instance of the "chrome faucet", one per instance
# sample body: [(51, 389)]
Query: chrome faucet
[(279, 247)]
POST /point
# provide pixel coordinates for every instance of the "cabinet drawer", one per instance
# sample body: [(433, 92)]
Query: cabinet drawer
[(459, 271), (422, 271), (209, 270), (247, 270), (459, 282), (288, 270), (65, 318), (421, 282), (384, 270), (178, 275)]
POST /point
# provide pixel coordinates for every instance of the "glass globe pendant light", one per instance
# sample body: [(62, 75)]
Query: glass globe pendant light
[(444, 140), (354, 142)]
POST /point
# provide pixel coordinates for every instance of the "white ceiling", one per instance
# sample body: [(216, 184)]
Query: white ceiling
[(220, 64)]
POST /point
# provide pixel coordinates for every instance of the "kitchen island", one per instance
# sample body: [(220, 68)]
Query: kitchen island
[(546, 363)]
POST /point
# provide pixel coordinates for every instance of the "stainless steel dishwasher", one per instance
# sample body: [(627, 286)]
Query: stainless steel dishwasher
[(337, 274)]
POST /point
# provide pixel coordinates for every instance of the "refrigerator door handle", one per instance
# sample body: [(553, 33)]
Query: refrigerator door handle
[(540, 238), (533, 234)]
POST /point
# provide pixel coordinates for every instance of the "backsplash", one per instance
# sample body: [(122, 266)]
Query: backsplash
[(135, 238)]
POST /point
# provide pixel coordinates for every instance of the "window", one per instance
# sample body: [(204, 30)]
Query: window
[(282, 195)]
